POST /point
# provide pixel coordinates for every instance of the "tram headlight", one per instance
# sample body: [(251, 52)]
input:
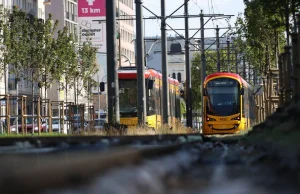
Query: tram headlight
[(210, 119), (236, 118)]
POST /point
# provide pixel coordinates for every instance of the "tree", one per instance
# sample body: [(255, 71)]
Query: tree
[(66, 57), (87, 66), (211, 66), (14, 40), (32, 51), (258, 33), (30, 47)]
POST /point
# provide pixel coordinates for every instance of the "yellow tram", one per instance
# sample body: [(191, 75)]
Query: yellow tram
[(229, 104), (128, 98)]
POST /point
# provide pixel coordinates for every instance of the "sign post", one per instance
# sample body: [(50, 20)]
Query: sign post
[(89, 10)]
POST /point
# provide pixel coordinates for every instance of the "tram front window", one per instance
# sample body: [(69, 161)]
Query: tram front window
[(223, 97), (128, 98)]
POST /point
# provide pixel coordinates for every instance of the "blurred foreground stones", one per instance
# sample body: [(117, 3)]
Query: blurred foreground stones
[(280, 135)]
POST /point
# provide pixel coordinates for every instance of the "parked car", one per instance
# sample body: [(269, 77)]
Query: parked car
[(99, 124), (13, 124), (77, 122), (28, 124), (57, 126)]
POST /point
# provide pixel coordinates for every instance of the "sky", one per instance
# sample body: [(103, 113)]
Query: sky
[(226, 7), (152, 27)]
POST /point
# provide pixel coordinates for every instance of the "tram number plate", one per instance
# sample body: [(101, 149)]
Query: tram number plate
[(223, 119)]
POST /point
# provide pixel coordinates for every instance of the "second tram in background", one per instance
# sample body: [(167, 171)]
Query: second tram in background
[(229, 104), (153, 80)]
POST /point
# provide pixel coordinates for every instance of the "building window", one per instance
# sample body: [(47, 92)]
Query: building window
[(179, 77)]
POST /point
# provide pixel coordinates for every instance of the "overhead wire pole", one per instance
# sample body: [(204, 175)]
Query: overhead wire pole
[(244, 67), (141, 92), (113, 114), (203, 65), (236, 63), (218, 49), (119, 35), (188, 83), (164, 64), (228, 55)]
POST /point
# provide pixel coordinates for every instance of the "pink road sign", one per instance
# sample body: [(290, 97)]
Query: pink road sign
[(91, 8)]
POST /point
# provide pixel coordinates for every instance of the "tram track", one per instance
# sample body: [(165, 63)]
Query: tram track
[(37, 171), (150, 165)]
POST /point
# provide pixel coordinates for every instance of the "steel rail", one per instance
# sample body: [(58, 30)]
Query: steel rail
[(36, 174)]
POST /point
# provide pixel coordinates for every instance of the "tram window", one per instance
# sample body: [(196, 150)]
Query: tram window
[(151, 103), (150, 83), (223, 97), (127, 97), (127, 83)]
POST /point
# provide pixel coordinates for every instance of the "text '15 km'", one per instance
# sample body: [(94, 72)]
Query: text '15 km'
[(90, 10)]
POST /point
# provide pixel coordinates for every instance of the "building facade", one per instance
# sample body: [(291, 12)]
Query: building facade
[(35, 8), (65, 11), (175, 55)]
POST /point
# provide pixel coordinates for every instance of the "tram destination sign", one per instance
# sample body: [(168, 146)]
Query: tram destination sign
[(223, 82)]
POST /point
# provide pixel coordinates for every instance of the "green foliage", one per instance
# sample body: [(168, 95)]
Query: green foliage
[(66, 57), (211, 66), (259, 31), (31, 50), (87, 65), (182, 106)]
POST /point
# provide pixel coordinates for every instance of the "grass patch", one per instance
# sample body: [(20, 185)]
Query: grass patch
[(178, 128), (5, 135)]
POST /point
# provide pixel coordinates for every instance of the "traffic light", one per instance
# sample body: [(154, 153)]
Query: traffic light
[(182, 94), (102, 86)]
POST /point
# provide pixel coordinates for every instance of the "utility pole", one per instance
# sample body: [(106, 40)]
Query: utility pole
[(287, 22), (140, 64), (296, 88), (244, 68), (228, 54), (188, 83), (112, 68), (249, 73), (119, 34), (281, 78), (164, 64), (203, 65), (99, 97), (218, 49), (236, 63)]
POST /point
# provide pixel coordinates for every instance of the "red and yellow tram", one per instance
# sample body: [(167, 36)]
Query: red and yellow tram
[(229, 104), (128, 98)]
